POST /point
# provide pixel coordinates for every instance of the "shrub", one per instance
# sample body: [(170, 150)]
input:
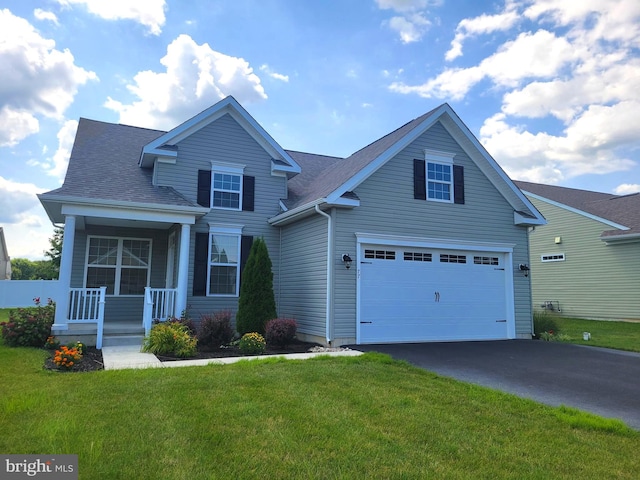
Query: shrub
[(544, 322), (252, 343), (280, 331), (170, 338), (215, 329), (29, 327), (52, 343), (186, 322), (66, 357), (256, 304)]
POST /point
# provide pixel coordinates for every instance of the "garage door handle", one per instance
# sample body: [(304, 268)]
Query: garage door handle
[(437, 294), (501, 321), (366, 322)]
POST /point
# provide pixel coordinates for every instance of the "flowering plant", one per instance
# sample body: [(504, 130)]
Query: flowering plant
[(66, 357), (252, 343)]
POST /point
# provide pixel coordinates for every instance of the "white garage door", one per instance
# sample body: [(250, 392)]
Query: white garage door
[(420, 294)]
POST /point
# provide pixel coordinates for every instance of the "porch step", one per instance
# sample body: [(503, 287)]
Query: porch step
[(122, 340), (120, 334)]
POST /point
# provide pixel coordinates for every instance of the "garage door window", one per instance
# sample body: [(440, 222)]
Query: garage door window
[(380, 254), (446, 258), (417, 257), (486, 260)]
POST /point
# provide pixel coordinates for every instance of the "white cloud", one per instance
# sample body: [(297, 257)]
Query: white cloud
[(195, 78), (482, 24), (627, 189), (412, 23), (42, 15), (149, 13), (278, 76), (16, 200), (571, 61), (35, 79), (56, 166)]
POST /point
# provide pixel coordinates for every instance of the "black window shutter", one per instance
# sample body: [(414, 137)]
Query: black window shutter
[(419, 180), (248, 193), (245, 247), (458, 184), (200, 265), (204, 188)]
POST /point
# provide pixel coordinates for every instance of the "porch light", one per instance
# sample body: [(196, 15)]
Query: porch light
[(346, 259), (524, 268)]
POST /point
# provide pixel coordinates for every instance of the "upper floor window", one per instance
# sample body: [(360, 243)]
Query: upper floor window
[(439, 181), (120, 264), (227, 190)]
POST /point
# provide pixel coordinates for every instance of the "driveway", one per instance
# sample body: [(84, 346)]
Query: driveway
[(597, 380)]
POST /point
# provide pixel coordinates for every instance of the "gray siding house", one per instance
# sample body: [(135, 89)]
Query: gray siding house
[(585, 263), (418, 236), (5, 260)]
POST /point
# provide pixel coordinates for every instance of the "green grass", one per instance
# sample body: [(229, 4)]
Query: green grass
[(618, 335), (358, 417)]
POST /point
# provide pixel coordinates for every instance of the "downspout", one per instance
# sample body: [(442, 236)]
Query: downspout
[(329, 271)]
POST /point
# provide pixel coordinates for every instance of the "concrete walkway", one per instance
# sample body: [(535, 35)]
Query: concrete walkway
[(117, 358)]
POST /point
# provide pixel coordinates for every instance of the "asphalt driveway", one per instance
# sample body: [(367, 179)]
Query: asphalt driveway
[(597, 380)]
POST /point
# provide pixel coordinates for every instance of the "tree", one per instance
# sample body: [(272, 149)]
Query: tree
[(256, 305), (25, 269), (55, 251)]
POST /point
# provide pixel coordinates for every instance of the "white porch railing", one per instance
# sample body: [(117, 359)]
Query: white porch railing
[(159, 304), (86, 305)]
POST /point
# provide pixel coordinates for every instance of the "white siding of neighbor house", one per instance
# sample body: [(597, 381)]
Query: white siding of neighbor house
[(224, 140), (122, 308), (596, 280), (387, 207), (303, 274)]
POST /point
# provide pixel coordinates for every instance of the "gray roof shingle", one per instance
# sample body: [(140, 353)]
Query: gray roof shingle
[(621, 209), (104, 166)]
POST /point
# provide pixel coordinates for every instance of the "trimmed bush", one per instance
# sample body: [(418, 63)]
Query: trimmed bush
[(280, 331), (29, 327), (171, 339), (544, 321), (256, 304), (252, 344), (215, 329)]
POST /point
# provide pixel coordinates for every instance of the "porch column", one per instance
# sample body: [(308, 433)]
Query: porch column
[(183, 269), (64, 278)]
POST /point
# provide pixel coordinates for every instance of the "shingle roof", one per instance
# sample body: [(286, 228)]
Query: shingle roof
[(310, 185), (104, 166), (620, 209)]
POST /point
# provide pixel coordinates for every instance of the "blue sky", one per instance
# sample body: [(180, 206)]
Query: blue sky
[(551, 88)]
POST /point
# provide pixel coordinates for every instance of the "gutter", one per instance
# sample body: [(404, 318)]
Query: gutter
[(329, 271)]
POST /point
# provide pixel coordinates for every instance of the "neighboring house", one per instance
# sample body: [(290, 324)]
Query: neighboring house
[(5, 260), (585, 262), (433, 227)]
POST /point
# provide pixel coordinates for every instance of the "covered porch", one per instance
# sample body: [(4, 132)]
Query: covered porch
[(120, 270)]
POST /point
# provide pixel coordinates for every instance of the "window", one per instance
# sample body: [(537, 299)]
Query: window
[(120, 264), (439, 181), (227, 190), (417, 257), (224, 262), (380, 254), (553, 257), (486, 260), (446, 258)]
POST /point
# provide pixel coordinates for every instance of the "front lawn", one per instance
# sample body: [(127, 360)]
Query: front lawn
[(618, 335), (349, 417)]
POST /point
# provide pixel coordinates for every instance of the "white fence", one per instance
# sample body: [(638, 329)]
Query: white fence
[(20, 293)]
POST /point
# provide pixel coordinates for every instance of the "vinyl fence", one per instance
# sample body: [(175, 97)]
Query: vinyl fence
[(20, 293)]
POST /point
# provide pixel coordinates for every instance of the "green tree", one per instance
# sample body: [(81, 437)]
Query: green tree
[(256, 305), (25, 269), (55, 250)]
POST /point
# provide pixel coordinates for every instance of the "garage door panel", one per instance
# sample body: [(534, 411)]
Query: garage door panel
[(456, 295)]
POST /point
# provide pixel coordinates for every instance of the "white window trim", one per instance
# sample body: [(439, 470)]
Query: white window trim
[(228, 230), (229, 169), (545, 258), (441, 158), (118, 266)]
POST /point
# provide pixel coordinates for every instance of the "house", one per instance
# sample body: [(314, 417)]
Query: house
[(416, 237), (585, 263), (5, 260)]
